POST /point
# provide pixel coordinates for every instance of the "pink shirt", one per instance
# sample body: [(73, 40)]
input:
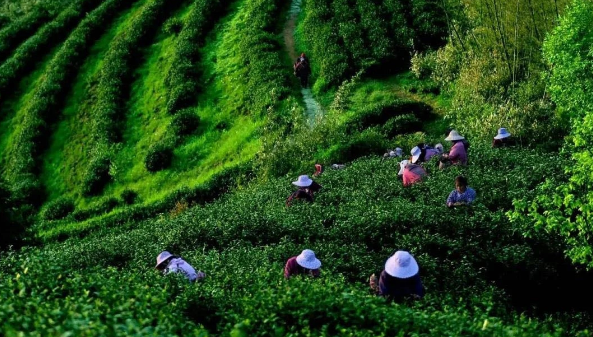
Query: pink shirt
[(458, 155), (412, 174)]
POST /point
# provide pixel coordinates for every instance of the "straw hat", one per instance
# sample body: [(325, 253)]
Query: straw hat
[(454, 135), (308, 260), (402, 166), (303, 181), (502, 133), (162, 257), (416, 152), (401, 265)]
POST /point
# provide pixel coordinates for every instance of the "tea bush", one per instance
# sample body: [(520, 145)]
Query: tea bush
[(183, 77), (39, 113), (242, 240), (57, 209), (129, 196), (115, 76), (14, 68), (185, 123), (346, 36), (255, 77), (406, 123), (173, 26), (97, 175), (159, 157), (17, 31)]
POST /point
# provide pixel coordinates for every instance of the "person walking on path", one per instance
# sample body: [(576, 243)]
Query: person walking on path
[(171, 264), (400, 279), (302, 69), (303, 264)]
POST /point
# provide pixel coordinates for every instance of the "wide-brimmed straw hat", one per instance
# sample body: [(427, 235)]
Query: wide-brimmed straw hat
[(454, 135), (307, 259), (401, 265), (162, 257), (502, 133), (416, 152), (402, 166), (303, 181)]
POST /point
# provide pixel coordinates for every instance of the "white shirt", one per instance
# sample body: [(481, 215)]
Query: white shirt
[(178, 265)]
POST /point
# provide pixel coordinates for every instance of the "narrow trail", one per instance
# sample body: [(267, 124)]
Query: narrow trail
[(312, 107)]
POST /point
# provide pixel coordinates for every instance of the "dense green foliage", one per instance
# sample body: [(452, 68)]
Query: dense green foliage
[(38, 44), (346, 36), (132, 127), (492, 69), (564, 205), (18, 30), (36, 117), (242, 241), (115, 76), (183, 76)]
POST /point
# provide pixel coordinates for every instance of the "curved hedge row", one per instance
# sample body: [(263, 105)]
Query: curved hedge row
[(38, 44), (183, 77), (255, 76), (346, 36), (116, 72), (32, 132), (18, 30)]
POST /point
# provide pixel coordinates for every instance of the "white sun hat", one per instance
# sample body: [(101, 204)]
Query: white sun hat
[(303, 181), (454, 135), (439, 147), (401, 265), (308, 260), (402, 166), (502, 133), (416, 152), (162, 257)]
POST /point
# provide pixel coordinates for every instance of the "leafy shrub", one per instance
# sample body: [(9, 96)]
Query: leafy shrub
[(406, 123), (35, 46), (563, 204), (19, 29), (58, 209), (115, 76), (183, 76), (173, 26), (369, 142), (129, 196), (97, 176), (159, 157), (355, 223), (32, 133), (185, 122), (423, 65)]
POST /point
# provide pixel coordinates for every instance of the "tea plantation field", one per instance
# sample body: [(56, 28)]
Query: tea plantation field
[(129, 127)]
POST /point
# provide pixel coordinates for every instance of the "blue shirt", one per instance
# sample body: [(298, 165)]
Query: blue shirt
[(466, 197)]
